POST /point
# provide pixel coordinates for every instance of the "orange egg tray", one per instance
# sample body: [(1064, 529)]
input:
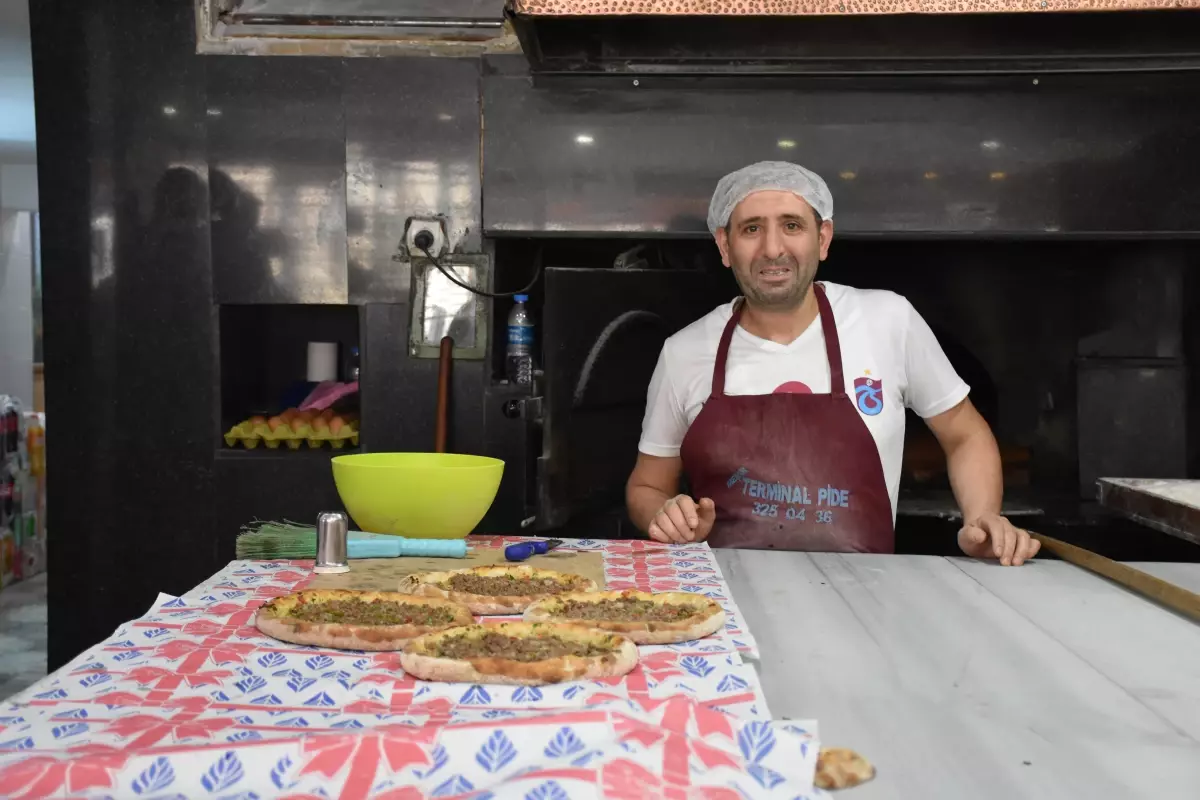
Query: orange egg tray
[(294, 429)]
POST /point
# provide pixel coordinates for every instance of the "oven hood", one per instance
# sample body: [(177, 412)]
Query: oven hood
[(731, 37), (850, 37), (353, 27)]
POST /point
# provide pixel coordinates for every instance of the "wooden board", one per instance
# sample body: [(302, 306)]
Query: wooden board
[(384, 574), (1170, 506)]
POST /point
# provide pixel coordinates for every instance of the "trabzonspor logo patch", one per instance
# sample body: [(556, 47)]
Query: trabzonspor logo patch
[(868, 395)]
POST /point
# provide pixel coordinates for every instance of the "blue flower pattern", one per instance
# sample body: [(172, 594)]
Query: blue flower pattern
[(756, 740), (280, 772), (154, 778), (732, 683), (496, 752), (564, 743), (74, 729), (766, 777), (476, 696), (497, 755), (527, 694), (224, 773), (550, 790), (455, 785)]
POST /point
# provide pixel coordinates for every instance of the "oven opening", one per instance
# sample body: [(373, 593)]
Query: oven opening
[(1076, 353)]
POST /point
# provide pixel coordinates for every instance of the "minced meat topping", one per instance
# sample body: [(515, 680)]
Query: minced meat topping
[(506, 585), (376, 612), (534, 648), (625, 609)]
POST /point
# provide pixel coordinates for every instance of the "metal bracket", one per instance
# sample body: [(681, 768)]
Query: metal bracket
[(526, 408), (440, 308)]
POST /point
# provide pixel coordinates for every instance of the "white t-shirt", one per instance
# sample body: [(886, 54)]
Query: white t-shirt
[(886, 346)]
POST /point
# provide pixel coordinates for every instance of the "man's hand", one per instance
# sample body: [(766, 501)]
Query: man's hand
[(993, 536), (681, 519)]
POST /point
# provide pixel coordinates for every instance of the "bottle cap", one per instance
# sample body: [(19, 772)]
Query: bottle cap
[(521, 298)]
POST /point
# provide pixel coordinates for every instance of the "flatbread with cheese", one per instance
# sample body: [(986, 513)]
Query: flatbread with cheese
[(519, 653), (839, 768), (497, 588), (345, 619), (644, 617)]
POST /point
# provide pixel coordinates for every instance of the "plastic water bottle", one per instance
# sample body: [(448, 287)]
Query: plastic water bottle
[(519, 355)]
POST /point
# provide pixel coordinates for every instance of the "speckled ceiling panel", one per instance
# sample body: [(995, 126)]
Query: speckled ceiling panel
[(808, 7)]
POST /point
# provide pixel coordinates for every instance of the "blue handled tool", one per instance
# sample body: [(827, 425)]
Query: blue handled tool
[(376, 545), (275, 540), (523, 550)]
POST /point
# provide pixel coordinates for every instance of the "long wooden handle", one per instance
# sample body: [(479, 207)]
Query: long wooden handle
[(1168, 594), (443, 394)]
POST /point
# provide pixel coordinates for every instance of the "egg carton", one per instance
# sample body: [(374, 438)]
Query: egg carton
[(292, 433)]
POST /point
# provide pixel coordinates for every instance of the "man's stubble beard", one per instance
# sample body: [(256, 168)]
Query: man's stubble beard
[(768, 300)]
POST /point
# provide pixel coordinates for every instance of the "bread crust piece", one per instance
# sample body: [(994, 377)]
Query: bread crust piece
[(421, 658), (275, 620), (708, 618), (841, 768), (426, 584)]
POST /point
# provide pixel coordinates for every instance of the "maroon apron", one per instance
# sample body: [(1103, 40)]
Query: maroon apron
[(789, 471)]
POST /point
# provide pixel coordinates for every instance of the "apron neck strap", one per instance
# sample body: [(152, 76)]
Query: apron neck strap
[(833, 346)]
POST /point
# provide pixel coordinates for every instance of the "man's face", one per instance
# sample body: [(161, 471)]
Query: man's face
[(773, 244)]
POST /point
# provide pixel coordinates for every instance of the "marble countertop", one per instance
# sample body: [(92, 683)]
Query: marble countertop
[(963, 679)]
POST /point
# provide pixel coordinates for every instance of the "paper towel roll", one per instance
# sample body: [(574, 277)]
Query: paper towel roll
[(322, 361)]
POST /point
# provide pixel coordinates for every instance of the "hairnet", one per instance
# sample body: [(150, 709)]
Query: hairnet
[(766, 176)]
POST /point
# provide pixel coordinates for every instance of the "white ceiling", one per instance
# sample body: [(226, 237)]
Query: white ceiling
[(16, 84)]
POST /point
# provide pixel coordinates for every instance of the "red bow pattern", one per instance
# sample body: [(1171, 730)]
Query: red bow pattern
[(626, 780), (45, 776), (208, 687)]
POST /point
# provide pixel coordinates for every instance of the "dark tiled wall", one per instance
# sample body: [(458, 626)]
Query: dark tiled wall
[(171, 182)]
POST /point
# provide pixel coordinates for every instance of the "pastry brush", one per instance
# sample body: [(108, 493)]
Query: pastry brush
[(267, 541)]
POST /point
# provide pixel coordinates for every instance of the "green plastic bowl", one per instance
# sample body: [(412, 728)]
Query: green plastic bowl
[(421, 495)]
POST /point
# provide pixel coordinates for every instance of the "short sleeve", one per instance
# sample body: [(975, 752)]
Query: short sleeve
[(933, 385), (665, 423)]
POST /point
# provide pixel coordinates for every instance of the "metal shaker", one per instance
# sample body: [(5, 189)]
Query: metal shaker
[(332, 530)]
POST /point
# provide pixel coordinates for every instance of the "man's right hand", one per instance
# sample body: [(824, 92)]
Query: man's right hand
[(681, 519)]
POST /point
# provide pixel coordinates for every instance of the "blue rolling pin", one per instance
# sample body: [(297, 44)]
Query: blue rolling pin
[(523, 550), (376, 545)]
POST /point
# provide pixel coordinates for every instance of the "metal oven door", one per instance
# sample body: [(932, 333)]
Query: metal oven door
[(603, 331)]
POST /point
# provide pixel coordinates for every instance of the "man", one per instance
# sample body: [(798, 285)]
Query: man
[(785, 408)]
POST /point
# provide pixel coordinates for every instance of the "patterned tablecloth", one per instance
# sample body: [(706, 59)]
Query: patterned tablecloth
[(192, 701)]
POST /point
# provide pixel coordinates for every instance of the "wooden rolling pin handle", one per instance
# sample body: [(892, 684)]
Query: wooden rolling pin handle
[(445, 356), (1163, 592)]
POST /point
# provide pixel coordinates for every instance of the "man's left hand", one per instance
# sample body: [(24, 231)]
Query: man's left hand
[(993, 536)]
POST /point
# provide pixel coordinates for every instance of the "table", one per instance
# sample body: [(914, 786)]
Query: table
[(1168, 505), (964, 679), (192, 700)]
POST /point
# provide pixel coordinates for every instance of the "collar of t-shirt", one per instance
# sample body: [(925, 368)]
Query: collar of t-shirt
[(813, 331)]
